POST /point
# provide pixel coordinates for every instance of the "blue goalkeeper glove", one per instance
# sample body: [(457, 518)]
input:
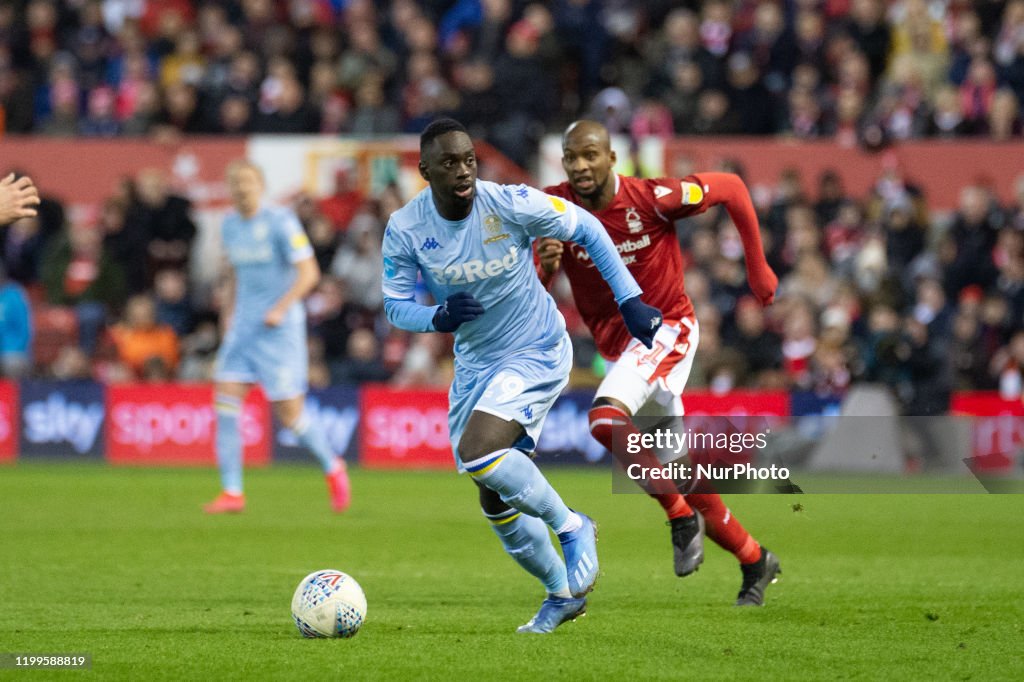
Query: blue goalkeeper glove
[(642, 320), (458, 308)]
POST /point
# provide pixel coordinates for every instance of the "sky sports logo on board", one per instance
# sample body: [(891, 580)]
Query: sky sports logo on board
[(58, 420), (176, 424), (152, 425), (62, 419)]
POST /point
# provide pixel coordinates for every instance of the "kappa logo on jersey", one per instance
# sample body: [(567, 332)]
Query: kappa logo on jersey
[(430, 244), (633, 221), (476, 269), (522, 192), (528, 412)]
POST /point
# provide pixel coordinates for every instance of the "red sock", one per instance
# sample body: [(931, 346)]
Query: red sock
[(724, 528), (674, 505), (604, 419)]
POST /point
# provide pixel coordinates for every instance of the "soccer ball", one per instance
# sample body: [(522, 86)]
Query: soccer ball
[(328, 603)]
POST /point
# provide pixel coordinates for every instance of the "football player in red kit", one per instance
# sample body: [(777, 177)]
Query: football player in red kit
[(639, 216)]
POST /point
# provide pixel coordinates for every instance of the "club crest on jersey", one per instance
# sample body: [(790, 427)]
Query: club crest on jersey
[(493, 227), (633, 221)]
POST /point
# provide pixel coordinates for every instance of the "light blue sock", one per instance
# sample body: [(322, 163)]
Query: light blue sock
[(519, 482), (527, 540), (312, 437), (229, 442)]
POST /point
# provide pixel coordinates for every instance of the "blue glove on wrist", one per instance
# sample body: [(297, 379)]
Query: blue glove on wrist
[(642, 320), (458, 308)]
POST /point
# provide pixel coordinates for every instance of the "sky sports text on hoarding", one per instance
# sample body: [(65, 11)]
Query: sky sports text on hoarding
[(62, 419), (380, 426), (175, 424), (404, 428)]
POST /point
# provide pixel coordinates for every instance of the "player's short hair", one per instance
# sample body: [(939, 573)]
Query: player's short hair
[(437, 128), (238, 164)]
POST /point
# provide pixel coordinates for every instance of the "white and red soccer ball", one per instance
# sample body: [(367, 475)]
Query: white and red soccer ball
[(328, 603)]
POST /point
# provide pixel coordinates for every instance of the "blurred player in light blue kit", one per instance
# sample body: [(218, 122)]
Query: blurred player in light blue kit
[(470, 240), (274, 269)]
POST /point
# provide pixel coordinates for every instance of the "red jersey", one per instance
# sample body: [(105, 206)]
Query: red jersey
[(640, 221)]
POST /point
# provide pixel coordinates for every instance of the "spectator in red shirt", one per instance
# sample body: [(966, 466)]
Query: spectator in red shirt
[(343, 204)]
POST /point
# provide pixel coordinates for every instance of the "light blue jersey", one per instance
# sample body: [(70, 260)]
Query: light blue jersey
[(488, 254), (513, 360), (263, 251)]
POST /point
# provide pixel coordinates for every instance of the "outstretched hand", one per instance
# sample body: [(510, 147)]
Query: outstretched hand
[(763, 283)]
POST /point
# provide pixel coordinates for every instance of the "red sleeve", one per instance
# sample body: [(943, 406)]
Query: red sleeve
[(728, 189), (675, 198)]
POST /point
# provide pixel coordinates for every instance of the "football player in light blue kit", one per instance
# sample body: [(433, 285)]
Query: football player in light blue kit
[(274, 269), (470, 241)]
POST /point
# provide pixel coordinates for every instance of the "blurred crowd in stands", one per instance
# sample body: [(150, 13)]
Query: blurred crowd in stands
[(865, 71), (873, 288)]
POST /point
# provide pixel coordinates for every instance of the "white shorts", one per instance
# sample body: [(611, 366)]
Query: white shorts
[(650, 382)]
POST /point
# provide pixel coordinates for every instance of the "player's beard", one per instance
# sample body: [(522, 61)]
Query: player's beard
[(594, 194)]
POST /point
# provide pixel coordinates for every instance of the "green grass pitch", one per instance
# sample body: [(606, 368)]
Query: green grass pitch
[(120, 563)]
